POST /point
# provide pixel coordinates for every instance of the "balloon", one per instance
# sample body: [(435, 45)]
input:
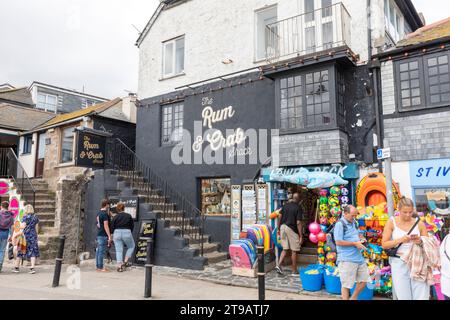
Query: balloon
[(323, 227), (314, 228), (322, 237), (313, 238)]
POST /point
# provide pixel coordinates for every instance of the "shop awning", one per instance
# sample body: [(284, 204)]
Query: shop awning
[(303, 177)]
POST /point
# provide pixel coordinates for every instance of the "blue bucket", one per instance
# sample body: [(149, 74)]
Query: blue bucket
[(311, 282), (332, 284), (366, 294)]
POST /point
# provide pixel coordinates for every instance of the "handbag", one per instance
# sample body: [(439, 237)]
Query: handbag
[(392, 252)]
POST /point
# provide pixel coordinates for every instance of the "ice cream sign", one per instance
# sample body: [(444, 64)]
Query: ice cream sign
[(216, 139)]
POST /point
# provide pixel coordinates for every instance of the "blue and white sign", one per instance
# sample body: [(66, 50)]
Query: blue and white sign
[(430, 173), (383, 153)]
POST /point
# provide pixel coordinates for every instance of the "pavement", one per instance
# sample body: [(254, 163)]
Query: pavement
[(84, 283)]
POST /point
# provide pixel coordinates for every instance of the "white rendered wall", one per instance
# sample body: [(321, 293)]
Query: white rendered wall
[(216, 30), (28, 160)]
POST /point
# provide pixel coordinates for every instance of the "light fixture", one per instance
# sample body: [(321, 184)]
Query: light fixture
[(227, 61)]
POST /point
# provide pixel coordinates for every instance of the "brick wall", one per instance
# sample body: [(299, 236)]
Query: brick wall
[(313, 148), (388, 87), (418, 137)]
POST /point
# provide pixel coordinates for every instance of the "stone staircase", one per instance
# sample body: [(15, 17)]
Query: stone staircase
[(173, 218), (45, 208)]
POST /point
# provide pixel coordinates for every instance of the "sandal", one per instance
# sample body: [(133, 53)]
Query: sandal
[(120, 269)]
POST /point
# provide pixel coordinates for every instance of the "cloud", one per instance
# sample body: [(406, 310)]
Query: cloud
[(73, 43), (433, 10)]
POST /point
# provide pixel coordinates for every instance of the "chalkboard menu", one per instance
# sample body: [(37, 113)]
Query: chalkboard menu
[(90, 151), (147, 231), (131, 205)]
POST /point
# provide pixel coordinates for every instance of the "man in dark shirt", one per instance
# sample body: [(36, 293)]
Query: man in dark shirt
[(104, 238), (290, 230)]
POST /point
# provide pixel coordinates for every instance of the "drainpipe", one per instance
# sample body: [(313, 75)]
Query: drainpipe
[(369, 30), (375, 66)]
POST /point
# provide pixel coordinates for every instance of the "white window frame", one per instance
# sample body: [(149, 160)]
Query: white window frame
[(396, 30), (174, 57), (257, 35), (47, 95), (61, 140)]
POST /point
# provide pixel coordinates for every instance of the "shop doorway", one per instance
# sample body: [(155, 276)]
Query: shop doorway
[(215, 196)]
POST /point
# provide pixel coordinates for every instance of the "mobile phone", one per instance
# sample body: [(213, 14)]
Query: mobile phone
[(414, 236)]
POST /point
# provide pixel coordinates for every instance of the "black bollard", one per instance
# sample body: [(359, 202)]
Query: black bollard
[(59, 260), (148, 269), (261, 275)]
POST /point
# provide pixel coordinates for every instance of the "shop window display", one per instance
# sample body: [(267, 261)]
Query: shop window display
[(215, 196)]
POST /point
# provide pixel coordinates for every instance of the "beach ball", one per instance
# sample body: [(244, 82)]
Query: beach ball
[(323, 220), (332, 220), (314, 228), (335, 191), (323, 227), (313, 238), (333, 201), (335, 211), (345, 199), (331, 256), (323, 214), (323, 200), (321, 244), (321, 258), (327, 248), (331, 264), (320, 251), (324, 207), (344, 191), (322, 237), (323, 192)]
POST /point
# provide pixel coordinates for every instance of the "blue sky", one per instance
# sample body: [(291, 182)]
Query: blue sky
[(89, 43)]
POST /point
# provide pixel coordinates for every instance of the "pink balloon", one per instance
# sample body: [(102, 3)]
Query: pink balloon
[(313, 238), (322, 237), (314, 228)]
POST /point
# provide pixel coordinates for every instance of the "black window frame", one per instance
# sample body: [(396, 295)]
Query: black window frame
[(27, 144), (333, 87), (172, 120), (424, 83)]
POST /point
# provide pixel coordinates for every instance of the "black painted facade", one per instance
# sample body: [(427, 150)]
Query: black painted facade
[(255, 105)]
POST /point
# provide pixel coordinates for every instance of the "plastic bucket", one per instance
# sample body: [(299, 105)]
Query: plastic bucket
[(366, 294), (332, 284), (311, 282), (361, 222)]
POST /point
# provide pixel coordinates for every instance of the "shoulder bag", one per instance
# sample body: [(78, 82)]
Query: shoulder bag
[(392, 252)]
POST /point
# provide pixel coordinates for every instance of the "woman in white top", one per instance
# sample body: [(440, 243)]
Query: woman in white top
[(445, 267), (396, 233)]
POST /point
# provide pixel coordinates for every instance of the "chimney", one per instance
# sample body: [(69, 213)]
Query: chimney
[(129, 107)]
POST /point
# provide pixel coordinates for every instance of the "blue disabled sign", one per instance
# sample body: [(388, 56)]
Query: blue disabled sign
[(383, 153)]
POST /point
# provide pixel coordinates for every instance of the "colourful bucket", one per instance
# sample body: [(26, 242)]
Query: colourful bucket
[(332, 284), (366, 294), (311, 282)]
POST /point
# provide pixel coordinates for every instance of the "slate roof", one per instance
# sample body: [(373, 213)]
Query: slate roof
[(435, 31), (22, 118), (17, 95)]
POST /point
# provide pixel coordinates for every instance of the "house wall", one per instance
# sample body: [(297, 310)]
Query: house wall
[(28, 160), (226, 30)]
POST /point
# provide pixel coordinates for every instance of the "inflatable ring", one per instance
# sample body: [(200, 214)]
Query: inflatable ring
[(433, 207), (371, 191)]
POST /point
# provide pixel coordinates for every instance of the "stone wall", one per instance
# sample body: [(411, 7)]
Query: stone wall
[(53, 169), (69, 216), (418, 137), (312, 148)]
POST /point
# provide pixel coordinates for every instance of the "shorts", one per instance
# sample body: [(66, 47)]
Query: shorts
[(351, 272), (289, 239)]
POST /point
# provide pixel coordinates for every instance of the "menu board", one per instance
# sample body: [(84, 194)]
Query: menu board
[(262, 205), (147, 231), (248, 206), (235, 212), (131, 205)]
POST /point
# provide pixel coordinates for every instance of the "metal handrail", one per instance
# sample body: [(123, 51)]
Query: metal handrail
[(18, 181), (183, 212)]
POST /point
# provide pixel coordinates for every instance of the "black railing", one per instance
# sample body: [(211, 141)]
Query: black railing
[(11, 168), (173, 205)]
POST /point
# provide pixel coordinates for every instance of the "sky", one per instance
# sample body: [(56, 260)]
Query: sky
[(89, 44)]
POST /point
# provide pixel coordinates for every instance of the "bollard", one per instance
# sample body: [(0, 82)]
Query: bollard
[(261, 275), (59, 260), (148, 269)]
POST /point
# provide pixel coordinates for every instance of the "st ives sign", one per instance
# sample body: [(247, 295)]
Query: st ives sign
[(430, 173), (216, 138)]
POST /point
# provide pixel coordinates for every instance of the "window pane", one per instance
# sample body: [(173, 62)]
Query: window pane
[(168, 58), (443, 59), (327, 34), (283, 83), (179, 58), (41, 98), (51, 100), (309, 7), (67, 145), (310, 35), (432, 62)]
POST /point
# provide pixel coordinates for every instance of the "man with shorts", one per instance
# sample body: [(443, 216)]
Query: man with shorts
[(351, 263), (290, 229)]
